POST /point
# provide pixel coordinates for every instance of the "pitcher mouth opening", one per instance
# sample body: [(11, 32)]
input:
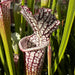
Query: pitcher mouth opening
[(26, 45)]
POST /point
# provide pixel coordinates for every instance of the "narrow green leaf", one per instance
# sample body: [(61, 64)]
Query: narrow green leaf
[(17, 17), (2, 58), (66, 33), (23, 22), (49, 59), (59, 31), (44, 3), (58, 6), (30, 4), (53, 5), (23, 2), (6, 34), (49, 3)]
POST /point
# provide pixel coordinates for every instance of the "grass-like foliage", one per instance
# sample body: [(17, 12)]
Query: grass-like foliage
[(59, 57)]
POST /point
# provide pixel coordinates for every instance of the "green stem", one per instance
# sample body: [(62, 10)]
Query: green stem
[(30, 4), (23, 2), (44, 3), (59, 9), (2, 58), (53, 5), (49, 59), (59, 17), (49, 4), (7, 45), (22, 22), (17, 18), (6, 37), (66, 33)]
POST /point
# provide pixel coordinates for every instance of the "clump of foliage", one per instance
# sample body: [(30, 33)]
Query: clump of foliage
[(62, 41)]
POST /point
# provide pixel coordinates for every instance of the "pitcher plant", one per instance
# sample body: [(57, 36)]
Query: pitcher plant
[(34, 46)]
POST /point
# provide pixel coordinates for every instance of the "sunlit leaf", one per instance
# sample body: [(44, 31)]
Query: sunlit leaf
[(66, 33), (6, 34)]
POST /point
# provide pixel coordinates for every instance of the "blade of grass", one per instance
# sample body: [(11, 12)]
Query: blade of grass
[(53, 9), (49, 3), (6, 35), (53, 5), (23, 2), (66, 33), (17, 17), (44, 3), (2, 58), (30, 4), (49, 59), (22, 22), (60, 18), (58, 6)]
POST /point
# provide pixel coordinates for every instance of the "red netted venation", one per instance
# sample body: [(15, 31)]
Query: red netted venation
[(43, 24), (29, 17), (5, 12), (34, 53), (47, 22), (35, 65), (31, 43)]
